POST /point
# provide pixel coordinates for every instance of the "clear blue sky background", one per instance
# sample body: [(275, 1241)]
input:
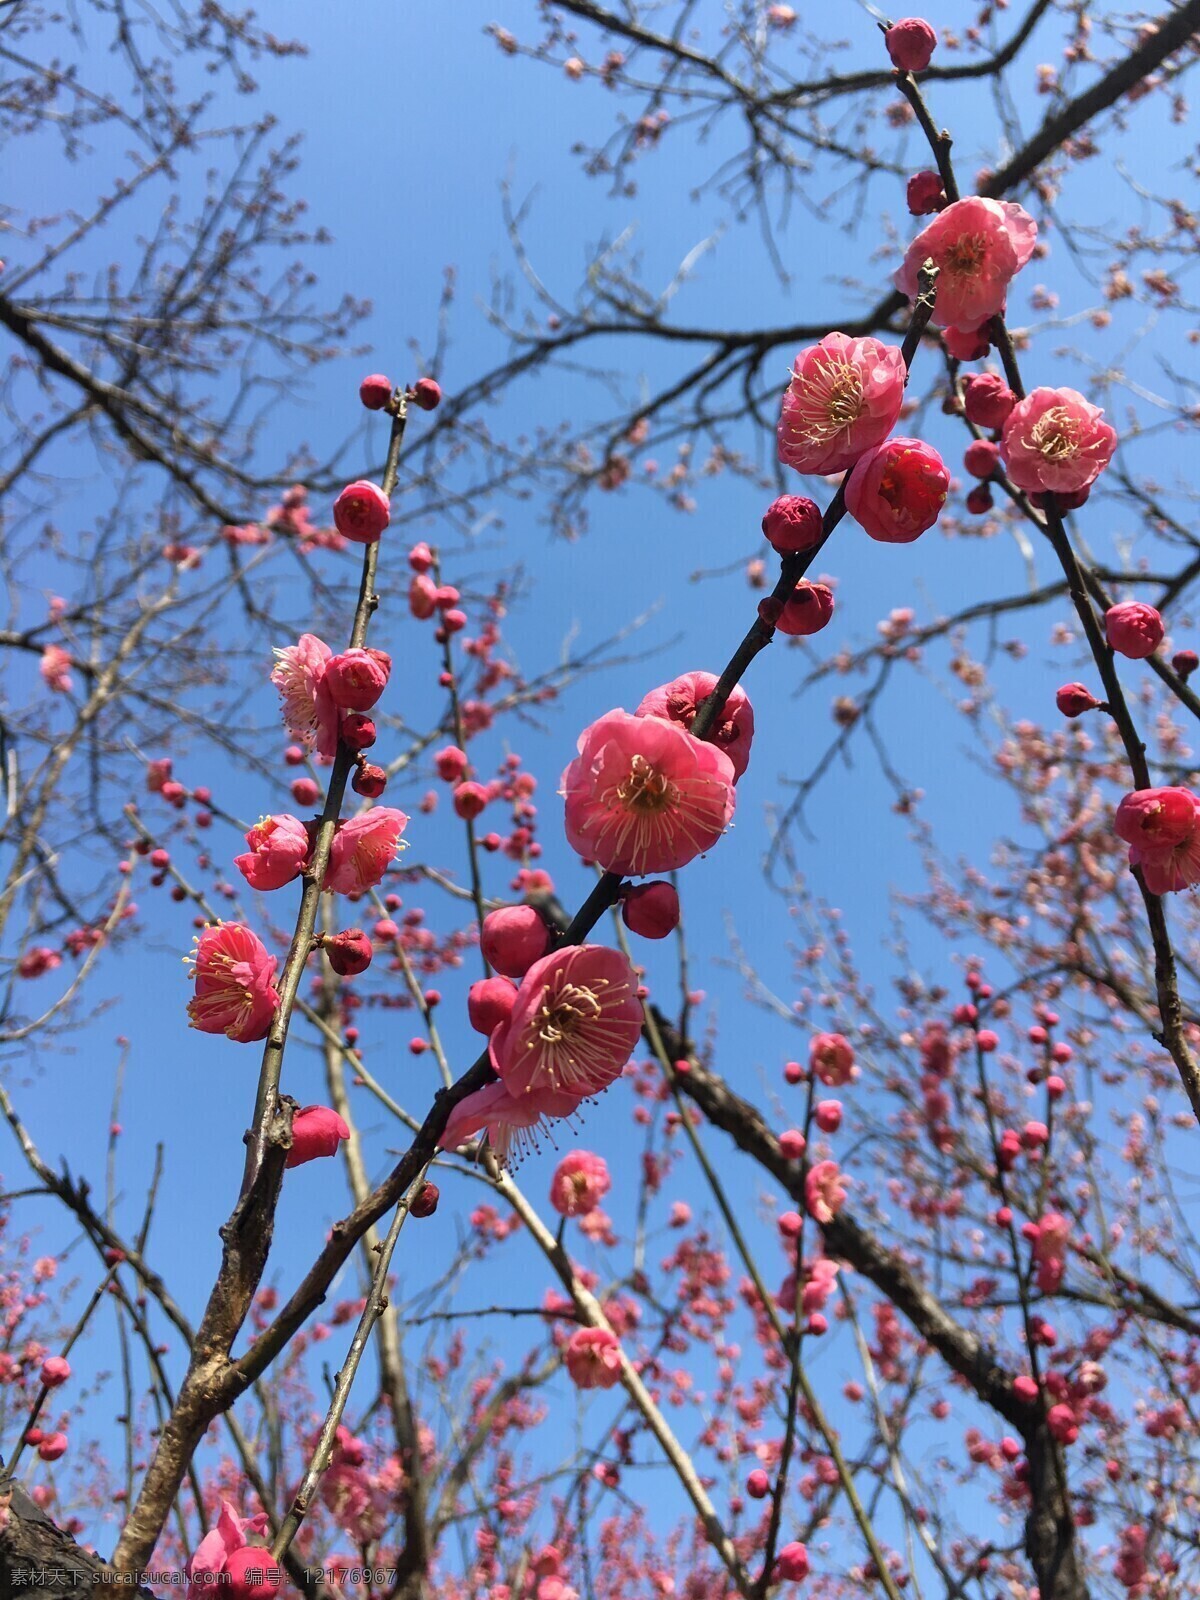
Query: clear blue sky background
[(412, 118)]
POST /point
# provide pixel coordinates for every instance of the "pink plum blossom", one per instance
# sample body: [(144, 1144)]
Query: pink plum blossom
[(316, 1131), (1134, 629), (809, 609), (575, 1022), (978, 247), (356, 678), (897, 490), (680, 700), (643, 796), (831, 1057), (1055, 442), (1163, 840), (593, 1358), (55, 668), (825, 1191), (363, 849), (844, 396), (279, 847), (580, 1182), (308, 713), (211, 1556), (233, 975), (512, 1124)]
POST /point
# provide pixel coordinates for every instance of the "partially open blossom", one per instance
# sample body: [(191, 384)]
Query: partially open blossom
[(593, 1358), (575, 1022), (808, 611), (1073, 699), (349, 952), (793, 522), (1134, 629), (363, 849), (643, 796), (825, 1191), (316, 1131), (651, 910), (55, 668), (910, 44), (679, 701), (924, 193), (978, 247), (299, 673), (489, 1003), (233, 975), (356, 678), (211, 1557), (1056, 441), (831, 1057), (512, 1122), (38, 960), (513, 938), (844, 396), (279, 847), (580, 1182), (898, 490), (52, 1446), (987, 400), (361, 512), (1162, 829)]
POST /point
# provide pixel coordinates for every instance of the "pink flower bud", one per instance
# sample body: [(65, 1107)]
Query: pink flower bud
[(1073, 699), (513, 938), (316, 1131), (979, 500), (369, 780), (375, 391), (470, 799), (294, 755), (306, 791), (1061, 1421), (55, 1370), (897, 490), (924, 193), (427, 393), (758, 1485), (53, 1446), (451, 763), (651, 910), (792, 1144), (987, 400), (489, 1003), (966, 344), (829, 1115), (808, 610), (361, 512), (357, 678), (910, 44), (251, 1573), (981, 458), (422, 597), (425, 1201), (1025, 1388), (1133, 629), (420, 557), (792, 523), (791, 1564), (454, 620), (1185, 663), (357, 731), (349, 952)]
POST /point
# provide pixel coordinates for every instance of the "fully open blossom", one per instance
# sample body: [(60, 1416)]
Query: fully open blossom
[(825, 1191), (363, 849), (356, 678), (643, 796), (212, 1554), (308, 710), (1134, 629), (512, 1124), (845, 396), (679, 701), (580, 1182), (978, 247), (1056, 442), (55, 668), (576, 1019), (593, 1358), (1162, 829), (316, 1131), (898, 490), (279, 847), (361, 512), (233, 975), (831, 1057)]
